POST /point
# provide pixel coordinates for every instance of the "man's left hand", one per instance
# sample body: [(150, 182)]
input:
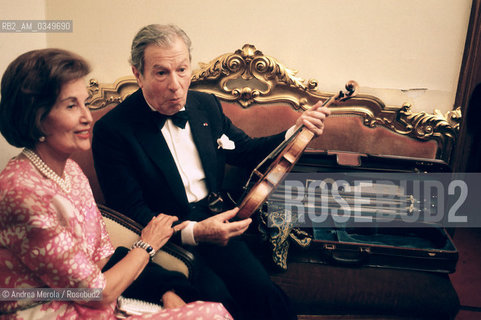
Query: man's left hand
[(313, 118)]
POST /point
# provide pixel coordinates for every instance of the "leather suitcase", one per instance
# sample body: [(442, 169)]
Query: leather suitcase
[(422, 248)]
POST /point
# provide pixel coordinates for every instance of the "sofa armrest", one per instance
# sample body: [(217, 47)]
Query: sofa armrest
[(124, 232)]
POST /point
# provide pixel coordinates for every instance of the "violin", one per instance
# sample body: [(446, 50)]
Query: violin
[(284, 157)]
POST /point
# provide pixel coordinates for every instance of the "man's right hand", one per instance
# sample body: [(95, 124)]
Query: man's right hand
[(218, 229)]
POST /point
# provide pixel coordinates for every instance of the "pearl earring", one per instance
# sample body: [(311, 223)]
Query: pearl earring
[(41, 139)]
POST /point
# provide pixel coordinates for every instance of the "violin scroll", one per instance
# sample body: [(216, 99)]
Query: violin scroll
[(351, 90)]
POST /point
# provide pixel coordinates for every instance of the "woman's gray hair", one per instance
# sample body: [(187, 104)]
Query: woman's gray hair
[(160, 35)]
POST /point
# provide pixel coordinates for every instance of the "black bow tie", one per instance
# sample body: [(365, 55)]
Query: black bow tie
[(179, 119)]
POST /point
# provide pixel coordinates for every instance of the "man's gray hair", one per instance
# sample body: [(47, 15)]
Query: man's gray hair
[(160, 35)]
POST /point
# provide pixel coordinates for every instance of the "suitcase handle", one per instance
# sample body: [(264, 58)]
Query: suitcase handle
[(360, 259)]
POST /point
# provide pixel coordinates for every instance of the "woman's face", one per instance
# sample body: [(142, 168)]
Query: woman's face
[(67, 127)]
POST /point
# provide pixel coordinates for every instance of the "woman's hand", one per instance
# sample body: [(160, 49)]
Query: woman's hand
[(159, 230), (171, 300)]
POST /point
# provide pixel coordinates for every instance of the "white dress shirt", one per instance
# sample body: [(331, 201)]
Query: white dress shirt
[(187, 160), (186, 156)]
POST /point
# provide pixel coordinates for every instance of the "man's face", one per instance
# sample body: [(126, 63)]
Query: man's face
[(166, 77)]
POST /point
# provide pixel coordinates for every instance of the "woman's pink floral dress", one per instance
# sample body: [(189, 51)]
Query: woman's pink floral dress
[(53, 239)]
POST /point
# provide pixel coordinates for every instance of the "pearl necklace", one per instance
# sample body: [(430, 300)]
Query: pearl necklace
[(64, 184)]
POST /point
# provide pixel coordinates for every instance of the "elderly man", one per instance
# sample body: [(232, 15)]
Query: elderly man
[(157, 152)]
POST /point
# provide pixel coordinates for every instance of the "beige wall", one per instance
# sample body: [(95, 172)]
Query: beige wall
[(14, 44), (386, 45)]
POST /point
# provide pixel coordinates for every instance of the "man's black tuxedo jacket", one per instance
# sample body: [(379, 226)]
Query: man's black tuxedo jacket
[(135, 168)]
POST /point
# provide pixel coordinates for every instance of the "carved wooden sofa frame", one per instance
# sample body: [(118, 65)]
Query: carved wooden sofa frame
[(256, 90)]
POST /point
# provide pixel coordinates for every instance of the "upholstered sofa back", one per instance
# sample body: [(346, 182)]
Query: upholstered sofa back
[(262, 97)]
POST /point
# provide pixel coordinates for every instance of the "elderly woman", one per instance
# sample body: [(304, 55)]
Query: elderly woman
[(51, 232)]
